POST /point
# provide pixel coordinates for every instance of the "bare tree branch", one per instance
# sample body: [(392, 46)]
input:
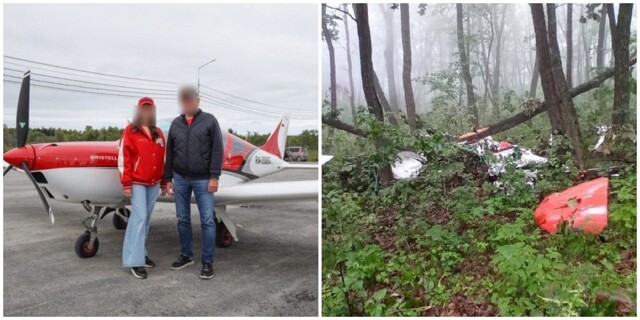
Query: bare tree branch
[(338, 9)]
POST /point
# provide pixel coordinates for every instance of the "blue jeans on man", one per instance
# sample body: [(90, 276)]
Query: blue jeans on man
[(183, 188)]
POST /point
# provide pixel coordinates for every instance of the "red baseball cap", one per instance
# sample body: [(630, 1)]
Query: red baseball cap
[(146, 101)]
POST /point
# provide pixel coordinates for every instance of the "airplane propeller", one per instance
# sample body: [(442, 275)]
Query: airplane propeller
[(22, 133), (22, 115)]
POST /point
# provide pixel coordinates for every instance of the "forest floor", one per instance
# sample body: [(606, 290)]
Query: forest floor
[(449, 243)]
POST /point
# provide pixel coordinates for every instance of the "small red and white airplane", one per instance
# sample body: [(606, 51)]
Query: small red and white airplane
[(87, 173)]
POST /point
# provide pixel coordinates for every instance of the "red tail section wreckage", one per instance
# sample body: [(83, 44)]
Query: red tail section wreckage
[(584, 207)]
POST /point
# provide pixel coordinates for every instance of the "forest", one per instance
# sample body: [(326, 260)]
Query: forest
[(450, 85), (307, 138)]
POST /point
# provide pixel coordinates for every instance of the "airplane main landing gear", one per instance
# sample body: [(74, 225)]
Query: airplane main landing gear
[(87, 244), (121, 218), (224, 239), (225, 228)]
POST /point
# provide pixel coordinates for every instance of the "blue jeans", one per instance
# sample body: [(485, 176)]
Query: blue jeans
[(143, 199), (183, 189)]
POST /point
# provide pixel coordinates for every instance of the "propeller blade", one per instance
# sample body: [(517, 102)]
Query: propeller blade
[(45, 202), (22, 116), (9, 167)]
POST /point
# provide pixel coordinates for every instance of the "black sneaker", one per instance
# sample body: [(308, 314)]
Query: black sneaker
[(149, 263), (182, 262), (139, 272), (207, 271)]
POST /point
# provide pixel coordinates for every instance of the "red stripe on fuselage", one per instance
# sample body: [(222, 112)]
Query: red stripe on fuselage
[(105, 154), (75, 154)]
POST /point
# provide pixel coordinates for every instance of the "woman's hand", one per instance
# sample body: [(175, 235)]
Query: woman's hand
[(127, 193)]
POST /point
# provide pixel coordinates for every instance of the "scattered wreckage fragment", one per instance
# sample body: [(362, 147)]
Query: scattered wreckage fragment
[(584, 207), (502, 153), (601, 131), (407, 165)]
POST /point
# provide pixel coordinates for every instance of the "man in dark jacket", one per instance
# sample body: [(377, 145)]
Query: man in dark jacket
[(193, 165)]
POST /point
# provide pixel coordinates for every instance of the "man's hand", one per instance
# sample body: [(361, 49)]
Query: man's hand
[(127, 193), (169, 188), (213, 185)]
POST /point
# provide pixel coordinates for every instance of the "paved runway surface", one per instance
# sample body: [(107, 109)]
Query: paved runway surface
[(271, 271)]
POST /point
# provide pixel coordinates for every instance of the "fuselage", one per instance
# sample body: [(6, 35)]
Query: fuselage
[(79, 171)]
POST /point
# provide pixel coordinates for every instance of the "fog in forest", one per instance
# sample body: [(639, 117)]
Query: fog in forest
[(501, 51)]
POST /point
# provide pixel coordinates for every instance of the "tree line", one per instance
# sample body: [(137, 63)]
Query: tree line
[(307, 138)]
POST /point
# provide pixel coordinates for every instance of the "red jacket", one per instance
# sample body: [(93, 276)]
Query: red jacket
[(141, 158)]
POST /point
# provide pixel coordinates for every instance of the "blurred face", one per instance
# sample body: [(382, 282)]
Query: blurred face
[(146, 114), (189, 103)]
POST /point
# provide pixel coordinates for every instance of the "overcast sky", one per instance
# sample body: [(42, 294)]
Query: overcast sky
[(266, 53)]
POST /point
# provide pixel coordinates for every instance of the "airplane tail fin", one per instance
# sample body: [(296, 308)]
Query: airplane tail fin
[(277, 141)]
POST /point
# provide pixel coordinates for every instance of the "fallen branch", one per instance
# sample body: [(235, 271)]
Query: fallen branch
[(537, 108), (534, 108), (335, 123)]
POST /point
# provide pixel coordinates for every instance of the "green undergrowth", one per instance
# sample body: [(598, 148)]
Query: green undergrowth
[(450, 243)]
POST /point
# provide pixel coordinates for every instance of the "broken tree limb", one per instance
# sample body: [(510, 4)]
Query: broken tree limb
[(533, 108), (500, 126), (335, 123)]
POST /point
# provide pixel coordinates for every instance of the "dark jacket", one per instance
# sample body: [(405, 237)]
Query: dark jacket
[(194, 151)]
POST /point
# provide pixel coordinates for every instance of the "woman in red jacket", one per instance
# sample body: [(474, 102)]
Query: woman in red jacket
[(141, 164)]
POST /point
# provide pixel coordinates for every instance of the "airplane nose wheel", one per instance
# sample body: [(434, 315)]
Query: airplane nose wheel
[(224, 239), (84, 249), (87, 244)]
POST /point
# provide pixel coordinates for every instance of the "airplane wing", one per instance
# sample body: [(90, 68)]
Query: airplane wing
[(247, 193), (300, 166)]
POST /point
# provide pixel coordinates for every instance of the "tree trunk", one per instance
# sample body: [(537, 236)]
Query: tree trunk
[(332, 64), (466, 73), (620, 114), (567, 109), (612, 23), (368, 76), (389, 51), (600, 53), (534, 80), (543, 56), (569, 45), (495, 93), (587, 51), (349, 65), (406, 66), (384, 102), (601, 30)]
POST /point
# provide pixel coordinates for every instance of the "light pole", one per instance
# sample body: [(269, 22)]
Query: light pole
[(200, 67)]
